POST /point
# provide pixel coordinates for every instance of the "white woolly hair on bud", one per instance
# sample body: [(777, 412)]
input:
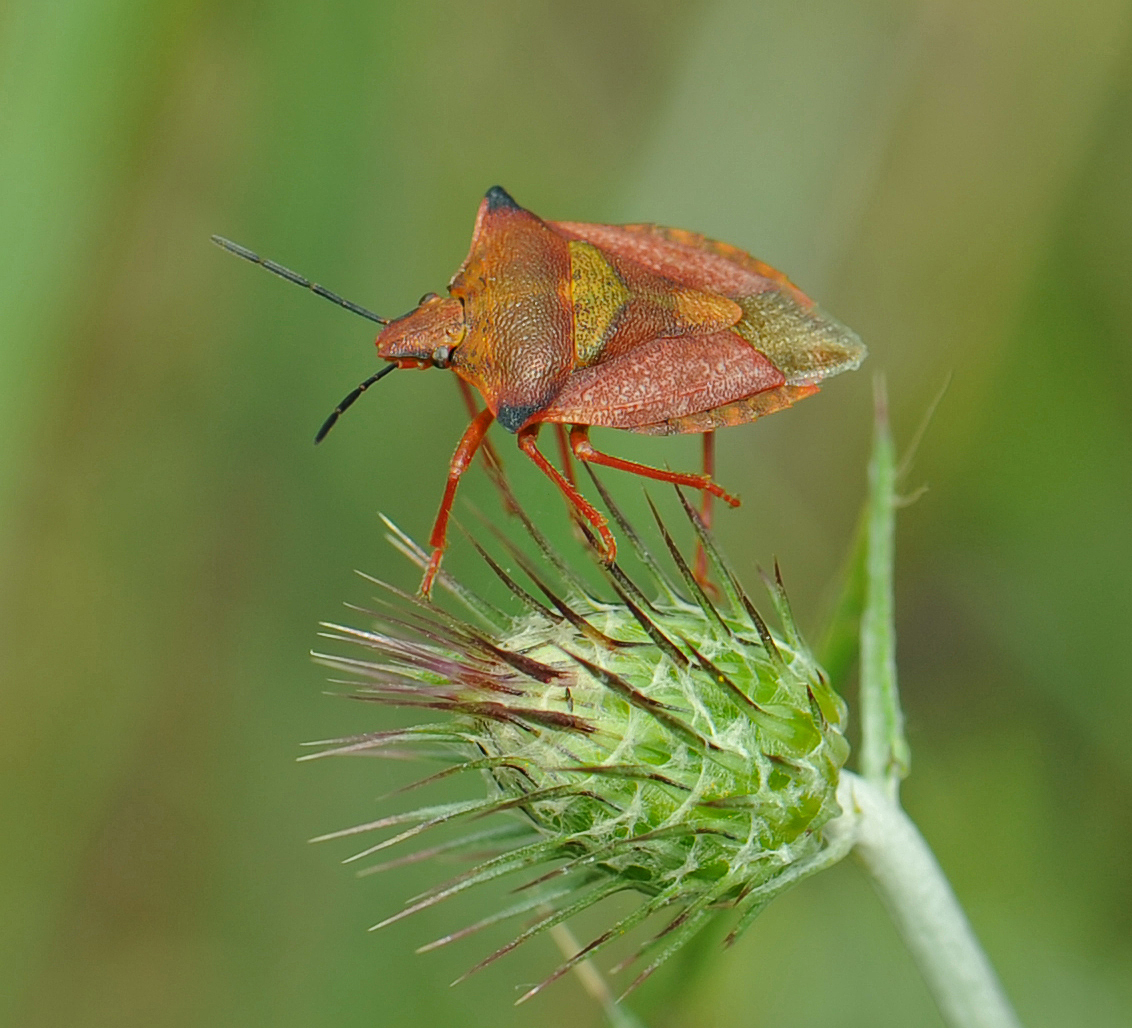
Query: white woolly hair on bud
[(651, 741)]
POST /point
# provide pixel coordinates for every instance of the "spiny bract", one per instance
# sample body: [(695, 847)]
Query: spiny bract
[(655, 743)]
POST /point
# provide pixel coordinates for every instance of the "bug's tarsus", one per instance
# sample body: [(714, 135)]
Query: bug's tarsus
[(585, 451), (294, 276), (328, 424), (405, 545)]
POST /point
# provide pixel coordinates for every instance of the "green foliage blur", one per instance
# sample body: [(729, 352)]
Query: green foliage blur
[(951, 178)]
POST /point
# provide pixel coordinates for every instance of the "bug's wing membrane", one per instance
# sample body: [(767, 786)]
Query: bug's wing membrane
[(779, 320), (664, 380)]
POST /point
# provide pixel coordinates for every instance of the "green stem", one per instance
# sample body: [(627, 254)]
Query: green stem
[(884, 755), (912, 885), (882, 837)]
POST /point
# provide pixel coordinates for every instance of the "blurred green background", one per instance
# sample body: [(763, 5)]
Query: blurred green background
[(952, 178)]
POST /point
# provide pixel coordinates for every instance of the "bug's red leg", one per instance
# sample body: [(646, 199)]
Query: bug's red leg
[(584, 450), (709, 472), (466, 450), (490, 456), (528, 443), (701, 562), (491, 460), (564, 453), (566, 459)]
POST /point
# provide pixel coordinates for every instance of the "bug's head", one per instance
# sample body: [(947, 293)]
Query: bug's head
[(423, 338), (426, 336)]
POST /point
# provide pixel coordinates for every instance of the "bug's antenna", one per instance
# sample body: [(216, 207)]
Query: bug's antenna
[(328, 424), (291, 276)]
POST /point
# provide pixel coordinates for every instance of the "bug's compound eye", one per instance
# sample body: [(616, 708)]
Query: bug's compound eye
[(427, 298), (442, 356)]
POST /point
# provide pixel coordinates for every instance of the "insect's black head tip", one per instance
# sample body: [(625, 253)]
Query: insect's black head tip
[(499, 199)]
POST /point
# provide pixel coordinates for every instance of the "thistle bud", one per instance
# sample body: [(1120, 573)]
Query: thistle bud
[(653, 741)]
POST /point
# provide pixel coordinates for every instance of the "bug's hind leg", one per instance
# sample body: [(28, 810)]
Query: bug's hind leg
[(528, 443), (700, 567), (709, 473), (584, 450)]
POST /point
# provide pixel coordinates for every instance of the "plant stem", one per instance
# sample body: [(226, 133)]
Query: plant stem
[(884, 756), (912, 885)]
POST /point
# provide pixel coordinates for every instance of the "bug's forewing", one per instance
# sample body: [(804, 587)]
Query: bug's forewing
[(779, 320), (664, 379)]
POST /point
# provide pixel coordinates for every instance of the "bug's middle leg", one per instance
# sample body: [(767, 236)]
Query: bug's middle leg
[(584, 450), (528, 443)]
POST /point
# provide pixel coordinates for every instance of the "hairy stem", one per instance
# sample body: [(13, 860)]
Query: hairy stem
[(884, 757), (912, 885)]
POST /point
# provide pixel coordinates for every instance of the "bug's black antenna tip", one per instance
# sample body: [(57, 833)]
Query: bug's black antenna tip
[(297, 279), (237, 249), (329, 423)]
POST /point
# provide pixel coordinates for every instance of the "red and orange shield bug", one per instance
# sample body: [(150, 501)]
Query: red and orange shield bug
[(639, 327)]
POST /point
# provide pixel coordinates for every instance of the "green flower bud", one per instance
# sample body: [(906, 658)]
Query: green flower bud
[(656, 742)]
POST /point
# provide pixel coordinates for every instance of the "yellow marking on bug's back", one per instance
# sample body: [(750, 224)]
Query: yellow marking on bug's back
[(695, 311), (598, 294)]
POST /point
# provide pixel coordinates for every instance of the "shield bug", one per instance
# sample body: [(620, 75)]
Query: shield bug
[(639, 327)]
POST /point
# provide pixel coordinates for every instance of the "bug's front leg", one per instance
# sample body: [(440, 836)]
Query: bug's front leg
[(461, 460), (528, 443), (491, 459)]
